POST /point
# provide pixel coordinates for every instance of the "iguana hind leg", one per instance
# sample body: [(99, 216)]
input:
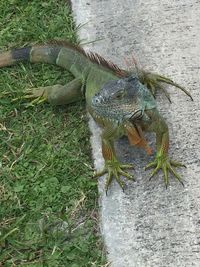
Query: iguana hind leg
[(56, 94)]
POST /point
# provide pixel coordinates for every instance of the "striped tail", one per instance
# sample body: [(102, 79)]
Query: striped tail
[(11, 57), (64, 54), (71, 57), (45, 54)]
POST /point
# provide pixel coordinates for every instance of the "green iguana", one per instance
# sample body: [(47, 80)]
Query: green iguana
[(120, 101)]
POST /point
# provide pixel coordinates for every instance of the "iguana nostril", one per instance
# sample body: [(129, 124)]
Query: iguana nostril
[(96, 100)]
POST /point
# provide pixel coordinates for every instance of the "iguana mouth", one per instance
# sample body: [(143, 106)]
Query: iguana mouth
[(137, 115)]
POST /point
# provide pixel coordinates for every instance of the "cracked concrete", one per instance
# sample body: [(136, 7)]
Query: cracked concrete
[(150, 226)]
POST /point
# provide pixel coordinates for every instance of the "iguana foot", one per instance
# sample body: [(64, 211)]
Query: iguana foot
[(166, 165), (154, 81), (114, 170), (39, 95)]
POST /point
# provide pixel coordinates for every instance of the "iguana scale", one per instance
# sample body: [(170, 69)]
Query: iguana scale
[(120, 101)]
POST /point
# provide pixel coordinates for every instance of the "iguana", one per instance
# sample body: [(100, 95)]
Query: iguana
[(121, 102)]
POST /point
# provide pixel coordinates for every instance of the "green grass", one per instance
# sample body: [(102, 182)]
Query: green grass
[(48, 209)]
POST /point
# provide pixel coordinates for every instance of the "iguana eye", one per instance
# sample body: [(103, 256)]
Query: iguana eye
[(119, 95)]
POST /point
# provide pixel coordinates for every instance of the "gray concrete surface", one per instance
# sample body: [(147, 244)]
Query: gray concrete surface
[(150, 226)]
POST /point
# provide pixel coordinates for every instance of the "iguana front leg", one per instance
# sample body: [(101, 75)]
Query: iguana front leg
[(112, 166), (162, 160), (56, 94)]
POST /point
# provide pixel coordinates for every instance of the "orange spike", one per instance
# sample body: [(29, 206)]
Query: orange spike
[(127, 63), (134, 59)]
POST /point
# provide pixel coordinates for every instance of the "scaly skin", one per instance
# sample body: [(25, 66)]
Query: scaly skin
[(128, 101), (122, 103)]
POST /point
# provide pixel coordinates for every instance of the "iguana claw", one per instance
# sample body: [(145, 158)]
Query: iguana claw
[(39, 95), (115, 169), (166, 165)]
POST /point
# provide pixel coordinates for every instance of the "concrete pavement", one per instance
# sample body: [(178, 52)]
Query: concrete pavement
[(147, 225)]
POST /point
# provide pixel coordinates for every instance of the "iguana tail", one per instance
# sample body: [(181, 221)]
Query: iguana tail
[(71, 57), (64, 54)]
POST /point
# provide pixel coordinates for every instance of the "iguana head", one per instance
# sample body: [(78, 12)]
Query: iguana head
[(123, 100)]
